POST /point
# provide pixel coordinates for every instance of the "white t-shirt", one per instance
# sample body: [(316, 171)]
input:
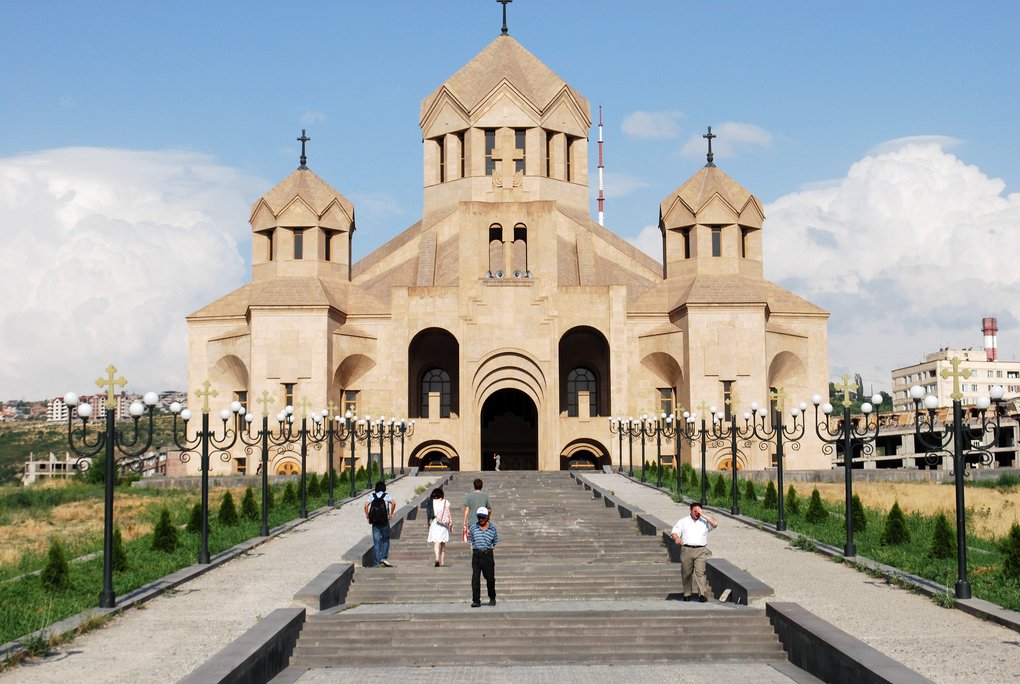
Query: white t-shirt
[(691, 532)]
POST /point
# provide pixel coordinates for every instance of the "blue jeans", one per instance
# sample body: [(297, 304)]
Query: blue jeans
[(381, 542)]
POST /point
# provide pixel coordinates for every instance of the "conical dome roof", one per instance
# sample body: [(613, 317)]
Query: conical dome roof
[(703, 191), (311, 201), (504, 58)]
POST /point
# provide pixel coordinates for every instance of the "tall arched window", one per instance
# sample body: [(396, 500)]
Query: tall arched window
[(520, 250), (435, 380), (495, 248), (580, 380)]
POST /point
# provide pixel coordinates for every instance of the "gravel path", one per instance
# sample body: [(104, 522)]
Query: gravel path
[(168, 637), (943, 645)]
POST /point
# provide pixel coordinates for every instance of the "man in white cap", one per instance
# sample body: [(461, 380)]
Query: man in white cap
[(483, 537)]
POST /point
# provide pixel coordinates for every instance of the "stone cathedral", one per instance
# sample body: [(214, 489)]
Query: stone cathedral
[(507, 321)]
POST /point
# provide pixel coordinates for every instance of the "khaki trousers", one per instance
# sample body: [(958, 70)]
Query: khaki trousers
[(692, 563)]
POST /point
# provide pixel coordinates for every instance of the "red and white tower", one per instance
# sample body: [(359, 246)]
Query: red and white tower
[(990, 328), (602, 196)]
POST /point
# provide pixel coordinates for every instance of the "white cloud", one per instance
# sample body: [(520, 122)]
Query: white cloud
[(619, 185), (312, 117), (104, 253), (944, 142), (731, 137), (652, 125), (375, 207), (908, 252), (649, 241)]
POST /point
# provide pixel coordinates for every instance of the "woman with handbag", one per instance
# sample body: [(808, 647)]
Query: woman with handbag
[(439, 528)]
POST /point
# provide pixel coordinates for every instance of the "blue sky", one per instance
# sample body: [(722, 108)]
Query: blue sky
[(880, 136)]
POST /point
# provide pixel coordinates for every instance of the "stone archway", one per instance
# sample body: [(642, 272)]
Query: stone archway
[(509, 430), (584, 454)]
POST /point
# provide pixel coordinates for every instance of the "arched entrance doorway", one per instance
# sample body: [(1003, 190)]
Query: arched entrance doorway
[(509, 429)]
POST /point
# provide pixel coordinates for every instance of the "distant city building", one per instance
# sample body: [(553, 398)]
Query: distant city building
[(56, 410), (48, 468), (984, 374)]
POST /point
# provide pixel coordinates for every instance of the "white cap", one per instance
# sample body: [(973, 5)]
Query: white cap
[(483, 511)]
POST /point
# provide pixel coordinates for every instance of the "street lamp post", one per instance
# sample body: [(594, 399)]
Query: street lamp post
[(692, 433), (733, 432), (782, 435), (846, 437), (646, 427), (617, 427), (263, 439), (938, 445), (108, 442), (668, 430), (406, 431), (203, 440)]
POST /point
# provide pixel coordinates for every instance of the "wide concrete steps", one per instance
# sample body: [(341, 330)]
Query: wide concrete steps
[(351, 639)]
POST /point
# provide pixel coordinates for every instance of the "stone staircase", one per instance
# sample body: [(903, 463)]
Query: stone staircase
[(575, 583)]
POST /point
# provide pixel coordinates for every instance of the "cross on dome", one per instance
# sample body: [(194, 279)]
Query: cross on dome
[(505, 31), (708, 136), (304, 159)]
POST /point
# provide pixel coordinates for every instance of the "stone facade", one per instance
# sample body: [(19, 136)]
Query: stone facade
[(506, 320)]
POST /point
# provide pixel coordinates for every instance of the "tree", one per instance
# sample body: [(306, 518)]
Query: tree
[(749, 492), (860, 517), (313, 488), (719, 488), (164, 537), (56, 575), (792, 501), (195, 521), (1011, 554), (228, 512), (120, 563), (771, 499), (249, 510), (895, 531), (942, 543), (289, 495), (816, 511)]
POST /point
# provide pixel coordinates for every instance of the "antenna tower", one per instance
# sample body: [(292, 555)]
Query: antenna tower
[(602, 196)]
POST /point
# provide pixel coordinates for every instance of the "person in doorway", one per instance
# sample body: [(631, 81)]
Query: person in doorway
[(473, 501), (379, 510), (483, 537), (440, 526), (691, 533)]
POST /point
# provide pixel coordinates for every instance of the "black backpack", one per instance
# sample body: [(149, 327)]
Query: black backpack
[(377, 514)]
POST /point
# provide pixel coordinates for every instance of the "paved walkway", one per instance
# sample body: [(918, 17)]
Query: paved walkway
[(942, 644), (168, 637)]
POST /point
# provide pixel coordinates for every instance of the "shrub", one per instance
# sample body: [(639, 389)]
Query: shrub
[(228, 512), (1011, 553), (792, 501), (120, 563), (249, 510), (195, 521), (289, 495), (56, 575), (816, 511), (312, 487), (719, 488), (942, 543), (270, 499), (859, 518), (771, 499), (164, 537), (895, 531), (749, 492)]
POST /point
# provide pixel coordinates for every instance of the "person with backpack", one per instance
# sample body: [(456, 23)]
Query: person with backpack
[(440, 525), (379, 511)]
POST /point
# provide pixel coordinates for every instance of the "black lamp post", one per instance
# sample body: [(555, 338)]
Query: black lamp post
[(205, 440), (938, 445), (781, 434), (617, 427), (733, 433), (263, 439), (388, 431), (691, 433), (329, 429), (667, 430), (846, 437), (646, 428), (406, 429), (109, 442)]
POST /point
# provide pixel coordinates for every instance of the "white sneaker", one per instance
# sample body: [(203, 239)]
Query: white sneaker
[(385, 563)]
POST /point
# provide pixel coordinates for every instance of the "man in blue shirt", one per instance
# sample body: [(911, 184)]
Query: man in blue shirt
[(483, 537)]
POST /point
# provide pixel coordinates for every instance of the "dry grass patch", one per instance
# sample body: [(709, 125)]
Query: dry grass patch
[(993, 510)]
